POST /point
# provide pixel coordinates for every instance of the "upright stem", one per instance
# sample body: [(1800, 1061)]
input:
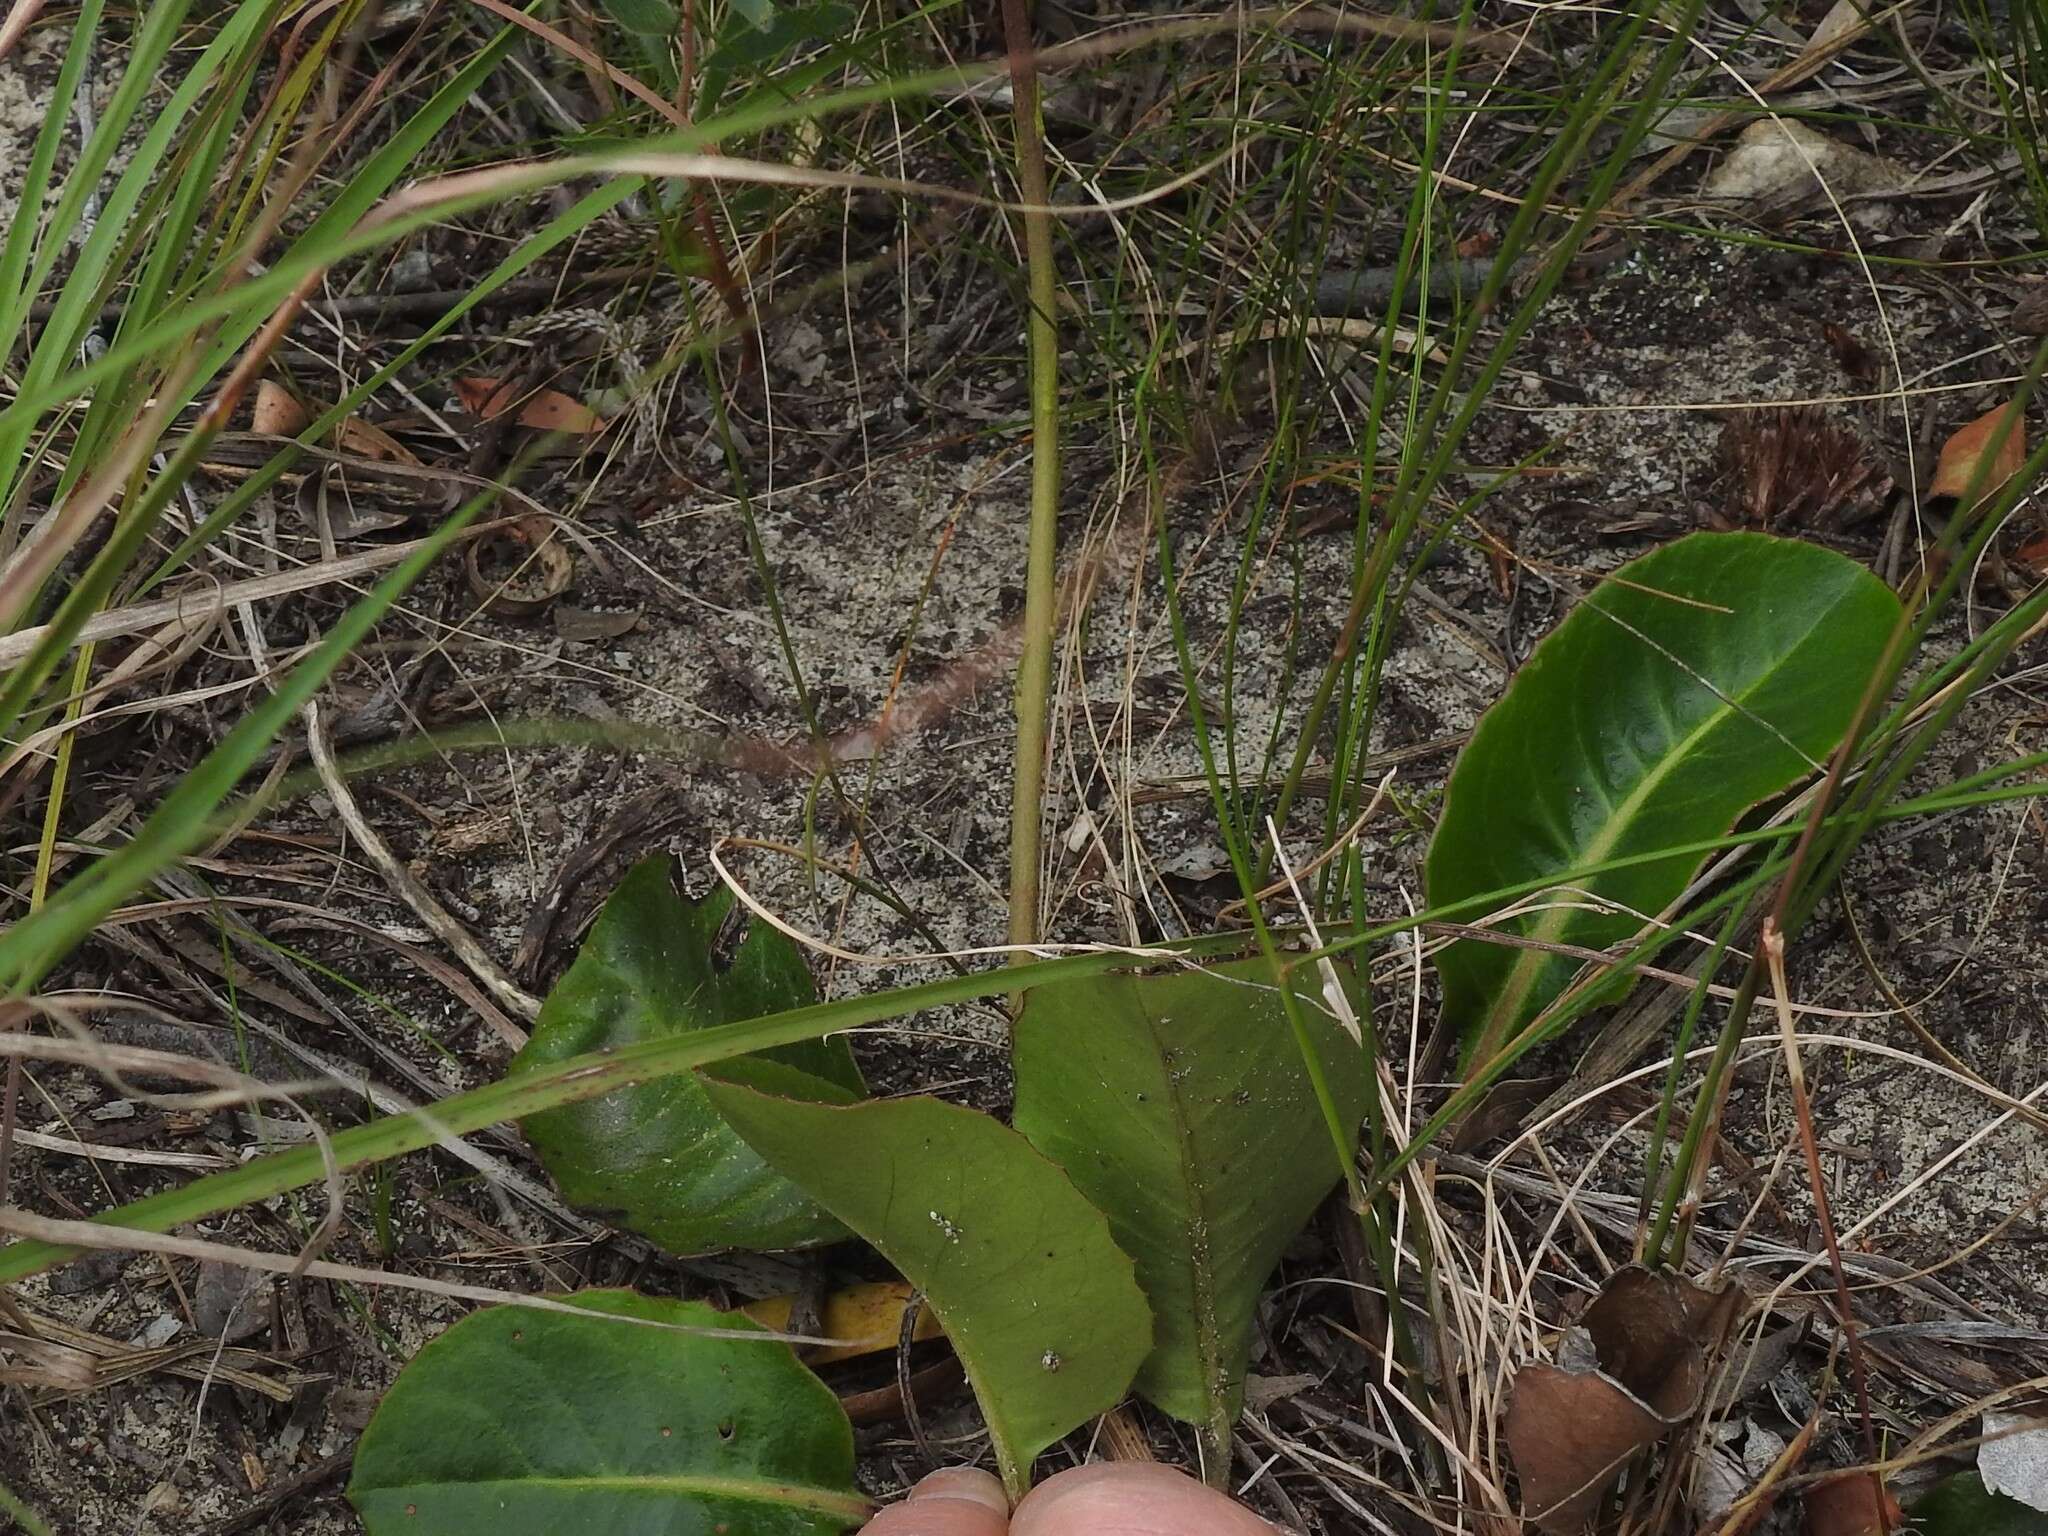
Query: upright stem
[(1034, 664)]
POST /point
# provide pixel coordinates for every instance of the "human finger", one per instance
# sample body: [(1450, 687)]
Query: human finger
[(959, 1501), (1131, 1498)]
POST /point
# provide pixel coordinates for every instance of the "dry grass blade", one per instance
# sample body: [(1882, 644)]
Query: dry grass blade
[(99, 1236), (114, 623), (402, 880), (30, 565)]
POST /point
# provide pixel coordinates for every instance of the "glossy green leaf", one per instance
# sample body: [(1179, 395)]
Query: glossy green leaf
[(1042, 1306), (518, 1422), (1693, 683), (1962, 1506), (655, 1158), (1179, 1104)]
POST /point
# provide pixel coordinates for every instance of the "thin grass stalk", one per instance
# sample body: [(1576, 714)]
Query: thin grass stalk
[(16, 293), (557, 231), (1651, 1235), (39, 883), (1236, 840), (1571, 1006), (1771, 945), (1960, 677), (13, 1506), (1414, 485), (77, 305), (1041, 573), (32, 947)]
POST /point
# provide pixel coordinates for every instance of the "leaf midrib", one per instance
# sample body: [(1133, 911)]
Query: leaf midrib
[(754, 1490), (1529, 962), (1201, 1248)]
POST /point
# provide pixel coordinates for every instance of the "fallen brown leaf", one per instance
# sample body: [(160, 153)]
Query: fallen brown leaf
[(590, 624), (366, 441), (1633, 1369), (544, 410), (1854, 1504), (1974, 447), (2030, 315), (277, 411), (518, 569), (1780, 167)]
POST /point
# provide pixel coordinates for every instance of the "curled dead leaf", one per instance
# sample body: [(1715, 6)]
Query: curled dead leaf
[(544, 410), (1633, 1369), (368, 441), (277, 411), (1780, 167), (516, 569), (1978, 449)]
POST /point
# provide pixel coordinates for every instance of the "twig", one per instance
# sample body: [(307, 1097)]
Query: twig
[(1772, 944), (438, 919), (20, 17), (282, 1493), (906, 1336)]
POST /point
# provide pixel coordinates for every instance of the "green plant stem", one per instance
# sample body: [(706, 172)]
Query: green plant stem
[(1034, 665)]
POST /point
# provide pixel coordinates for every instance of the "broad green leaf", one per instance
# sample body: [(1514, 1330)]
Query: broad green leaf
[(752, 49), (1961, 1505), (1040, 1303), (652, 26), (519, 1422), (655, 1158), (570, 1082), (1179, 1104), (1693, 683), (645, 18)]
